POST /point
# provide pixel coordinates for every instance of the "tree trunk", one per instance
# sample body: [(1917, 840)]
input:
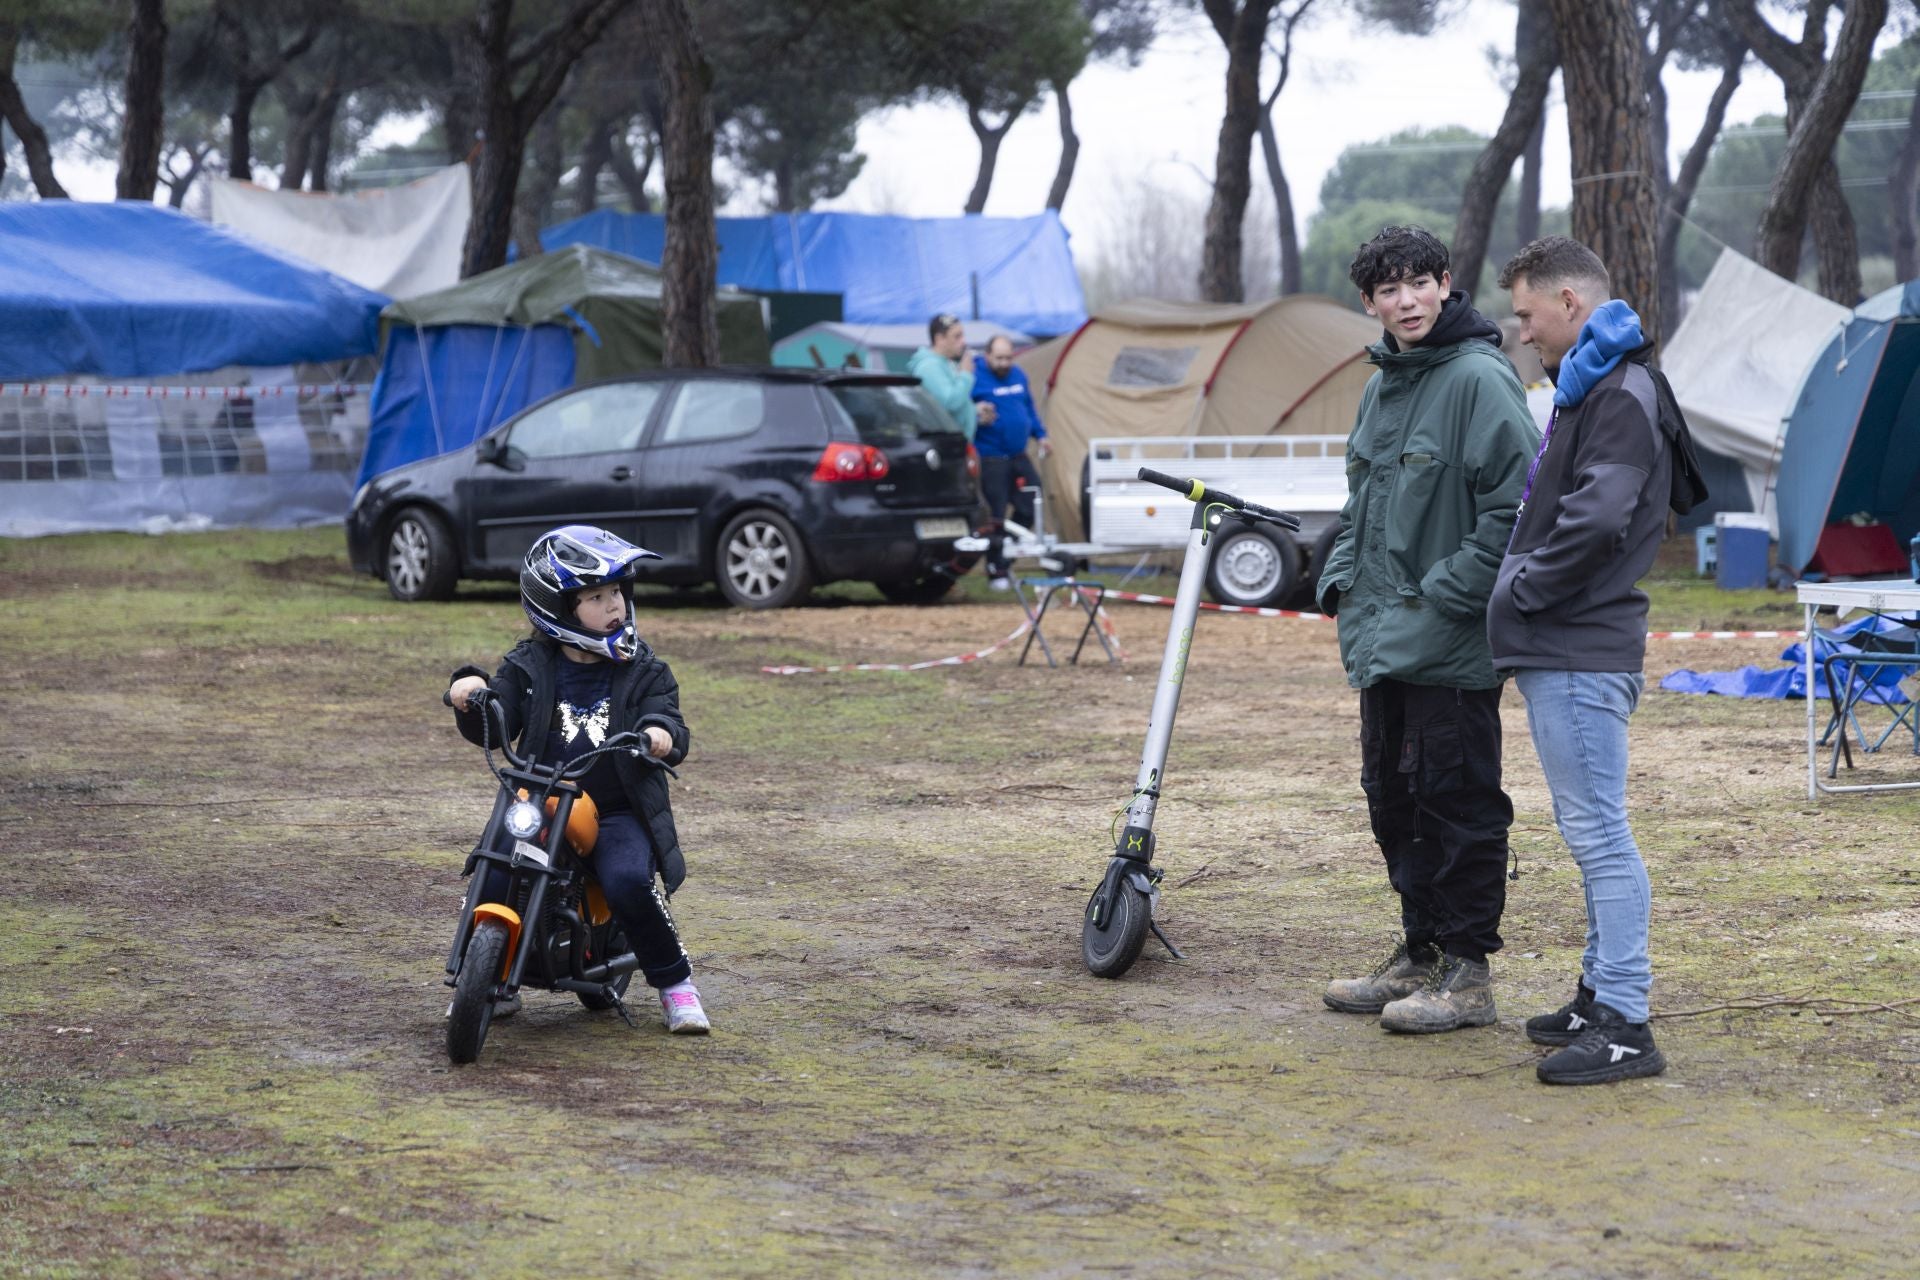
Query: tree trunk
[(240, 131), (1903, 195), (1069, 148), (1613, 209), (506, 116), (690, 257), (1526, 213), (1244, 32), (1680, 193), (145, 102), (1809, 155), (33, 139), (1536, 52), (595, 152), (1282, 207), (177, 187), (633, 177), (533, 204), (990, 137), (321, 137)]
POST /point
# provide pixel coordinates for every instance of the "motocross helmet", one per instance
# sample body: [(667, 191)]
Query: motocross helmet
[(572, 559)]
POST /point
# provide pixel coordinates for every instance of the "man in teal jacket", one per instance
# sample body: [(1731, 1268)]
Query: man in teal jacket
[(1436, 465), (945, 371)]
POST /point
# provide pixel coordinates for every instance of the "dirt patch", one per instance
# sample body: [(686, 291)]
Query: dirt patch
[(237, 857)]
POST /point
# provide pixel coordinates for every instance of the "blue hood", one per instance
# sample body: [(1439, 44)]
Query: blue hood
[(1610, 332)]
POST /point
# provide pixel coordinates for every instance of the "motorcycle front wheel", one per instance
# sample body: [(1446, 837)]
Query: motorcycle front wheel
[(1110, 950), (472, 1010)]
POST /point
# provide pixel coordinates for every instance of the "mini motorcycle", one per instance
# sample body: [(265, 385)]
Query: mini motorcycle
[(1120, 912), (550, 928)]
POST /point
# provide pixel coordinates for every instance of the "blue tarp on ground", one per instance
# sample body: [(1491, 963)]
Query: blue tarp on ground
[(443, 387), (132, 290), (1853, 439), (889, 270), (1882, 683)]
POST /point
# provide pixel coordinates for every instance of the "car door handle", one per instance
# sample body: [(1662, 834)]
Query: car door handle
[(622, 473)]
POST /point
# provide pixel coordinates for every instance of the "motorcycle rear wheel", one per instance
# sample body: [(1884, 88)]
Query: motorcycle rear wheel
[(1111, 951), (472, 1011)]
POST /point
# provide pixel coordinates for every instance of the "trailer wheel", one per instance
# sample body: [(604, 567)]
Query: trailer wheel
[(1253, 568)]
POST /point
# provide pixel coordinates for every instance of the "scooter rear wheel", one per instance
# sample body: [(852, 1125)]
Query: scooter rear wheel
[(472, 1010), (1111, 950)]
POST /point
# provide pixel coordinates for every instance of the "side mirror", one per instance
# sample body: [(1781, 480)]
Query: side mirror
[(490, 449)]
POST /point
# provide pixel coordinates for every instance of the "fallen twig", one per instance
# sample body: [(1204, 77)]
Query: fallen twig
[(268, 1168), (1823, 1005), (1487, 1071), (1206, 869)]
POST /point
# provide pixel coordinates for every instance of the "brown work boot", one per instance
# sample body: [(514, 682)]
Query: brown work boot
[(1457, 993), (1399, 974)]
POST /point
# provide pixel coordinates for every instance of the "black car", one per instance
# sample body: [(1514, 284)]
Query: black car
[(765, 480)]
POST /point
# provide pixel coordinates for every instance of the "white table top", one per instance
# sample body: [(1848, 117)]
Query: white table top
[(1878, 595)]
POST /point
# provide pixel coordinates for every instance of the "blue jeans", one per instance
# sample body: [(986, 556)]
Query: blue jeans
[(1579, 725)]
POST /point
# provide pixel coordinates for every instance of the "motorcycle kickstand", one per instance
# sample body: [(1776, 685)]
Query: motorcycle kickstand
[(620, 1007)]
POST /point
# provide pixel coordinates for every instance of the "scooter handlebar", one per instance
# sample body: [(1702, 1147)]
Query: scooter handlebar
[(1197, 491)]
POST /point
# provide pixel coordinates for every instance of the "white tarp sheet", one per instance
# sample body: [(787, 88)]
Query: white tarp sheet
[(401, 241), (1737, 361)]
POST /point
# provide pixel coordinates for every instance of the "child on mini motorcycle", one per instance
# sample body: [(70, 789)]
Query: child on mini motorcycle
[(583, 675)]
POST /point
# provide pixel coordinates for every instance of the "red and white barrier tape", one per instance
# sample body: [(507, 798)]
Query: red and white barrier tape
[(1321, 617), (86, 391), (959, 660)]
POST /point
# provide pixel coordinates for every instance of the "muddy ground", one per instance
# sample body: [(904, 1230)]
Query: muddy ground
[(239, 812)]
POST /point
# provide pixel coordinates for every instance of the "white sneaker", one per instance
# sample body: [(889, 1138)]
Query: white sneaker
[(680, 1007), (1001, 583)]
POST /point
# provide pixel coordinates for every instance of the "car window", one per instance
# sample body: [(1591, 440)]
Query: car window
[(889, 415), (713, 409), (603, 419)]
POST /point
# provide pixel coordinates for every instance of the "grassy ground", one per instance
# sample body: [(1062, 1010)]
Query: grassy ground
[(236, 835)]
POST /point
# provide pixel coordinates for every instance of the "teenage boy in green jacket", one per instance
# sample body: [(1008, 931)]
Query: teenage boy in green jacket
[(1436, 465)]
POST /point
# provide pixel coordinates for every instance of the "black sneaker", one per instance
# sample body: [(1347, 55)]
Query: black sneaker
[(1564, 1025), (1610, 1049)]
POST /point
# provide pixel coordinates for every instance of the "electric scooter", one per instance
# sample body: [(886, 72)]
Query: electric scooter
[(1121, 910)]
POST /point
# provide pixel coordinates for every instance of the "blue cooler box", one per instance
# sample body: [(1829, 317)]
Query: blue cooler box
[(1741, 557)]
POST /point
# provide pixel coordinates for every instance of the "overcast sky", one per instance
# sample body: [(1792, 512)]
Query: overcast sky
[(1161, 120)]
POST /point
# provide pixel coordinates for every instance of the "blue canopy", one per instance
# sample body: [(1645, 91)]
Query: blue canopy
[(132, 290), (1853, 439), (889, 270)]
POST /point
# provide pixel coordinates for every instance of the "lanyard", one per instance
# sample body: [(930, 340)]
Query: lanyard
[(1546, 438)]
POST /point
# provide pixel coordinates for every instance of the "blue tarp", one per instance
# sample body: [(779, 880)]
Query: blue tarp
[(466, 378), (889, 270), (1882, 683), (1853, 438), (132, 290)]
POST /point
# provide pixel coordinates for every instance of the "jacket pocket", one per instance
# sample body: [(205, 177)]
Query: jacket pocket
[(1422, 478)]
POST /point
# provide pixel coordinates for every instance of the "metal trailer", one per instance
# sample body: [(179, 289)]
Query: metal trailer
[(1253, 564)]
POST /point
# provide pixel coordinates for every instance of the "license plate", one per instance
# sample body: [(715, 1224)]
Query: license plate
[(947, 527), (530, 852)]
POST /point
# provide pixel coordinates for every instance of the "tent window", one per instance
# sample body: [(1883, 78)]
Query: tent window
[(1151, 366), (714, 411), (603, 419)]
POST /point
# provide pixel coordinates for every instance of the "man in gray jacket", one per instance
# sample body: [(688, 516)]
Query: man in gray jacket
[(1569, 623)]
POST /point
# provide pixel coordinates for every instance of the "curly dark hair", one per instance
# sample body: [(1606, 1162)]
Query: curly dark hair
[(1397, 253), (1552, 261)]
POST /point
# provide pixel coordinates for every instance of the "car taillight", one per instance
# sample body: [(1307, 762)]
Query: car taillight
[(843, 461), (973, 462)]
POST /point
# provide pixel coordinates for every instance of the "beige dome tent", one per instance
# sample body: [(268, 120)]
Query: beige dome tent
[(1292, 366)]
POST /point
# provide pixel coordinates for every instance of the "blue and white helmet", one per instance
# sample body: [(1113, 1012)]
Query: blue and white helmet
[(572, 559)]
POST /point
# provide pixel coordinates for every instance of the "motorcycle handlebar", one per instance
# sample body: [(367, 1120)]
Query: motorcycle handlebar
[(1197, 491)]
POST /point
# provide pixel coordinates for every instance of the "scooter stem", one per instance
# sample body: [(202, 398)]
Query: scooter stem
[(1166, 695)]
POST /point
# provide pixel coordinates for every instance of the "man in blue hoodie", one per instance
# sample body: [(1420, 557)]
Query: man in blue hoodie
[(1570, 625), (1006, 472)]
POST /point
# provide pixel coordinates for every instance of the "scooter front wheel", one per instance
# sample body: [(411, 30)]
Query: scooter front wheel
[(472, 1010), (1110, 948)]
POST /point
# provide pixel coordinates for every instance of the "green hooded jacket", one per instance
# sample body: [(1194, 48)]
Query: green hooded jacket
[(950, 388), (1436, 466)]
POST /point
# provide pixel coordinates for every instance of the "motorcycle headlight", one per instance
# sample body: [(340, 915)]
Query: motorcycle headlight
[(523, 820)]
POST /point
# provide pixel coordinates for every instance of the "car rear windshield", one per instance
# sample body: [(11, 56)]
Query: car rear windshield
[(883, 415)]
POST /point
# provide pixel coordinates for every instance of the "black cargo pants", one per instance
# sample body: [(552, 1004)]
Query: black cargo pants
[(1430, 765)]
